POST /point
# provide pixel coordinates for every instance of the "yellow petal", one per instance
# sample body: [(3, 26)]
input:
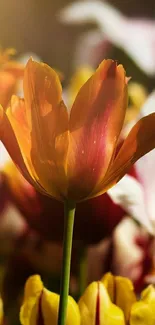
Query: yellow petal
[(96, 307), (96, 120), (137, 94), (33, 287), (50, 304), (148, 296), (141, 314), (77, 81), (109, 282), (30, 309), (121, 292), (41, 306)]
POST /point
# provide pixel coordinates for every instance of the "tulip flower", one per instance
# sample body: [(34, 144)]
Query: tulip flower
[(41, 306), (10, 74), (55, 157), (96, 307), (72, 157)]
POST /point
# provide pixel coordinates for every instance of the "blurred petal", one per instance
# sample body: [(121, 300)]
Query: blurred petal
[(7, 87), (77, 81), (50, 304), (41, 306), (14, 68), (129, 194), (141, 314), (145, 169), (140, 141), (128, 255), (94, 131), (96, 308), (121, 292)]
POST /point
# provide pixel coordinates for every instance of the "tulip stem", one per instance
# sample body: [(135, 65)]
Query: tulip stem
[(69, 212), (82, 271)]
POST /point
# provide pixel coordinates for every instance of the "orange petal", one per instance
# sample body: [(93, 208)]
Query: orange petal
[(96, 120), (14, 68), (47, 118), (7, 136), (140, 141), (17, 117)]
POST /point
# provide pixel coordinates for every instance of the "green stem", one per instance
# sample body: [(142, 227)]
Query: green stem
[(82, 270), (69, 212)]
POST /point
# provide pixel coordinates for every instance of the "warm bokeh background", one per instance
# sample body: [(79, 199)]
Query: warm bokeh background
[(32, 25)]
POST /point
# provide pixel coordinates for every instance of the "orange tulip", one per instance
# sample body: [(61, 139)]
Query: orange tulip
[(72, 155)]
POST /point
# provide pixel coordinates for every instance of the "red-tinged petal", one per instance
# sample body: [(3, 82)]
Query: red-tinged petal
[(140, 141), (96, 120), (47, 118)]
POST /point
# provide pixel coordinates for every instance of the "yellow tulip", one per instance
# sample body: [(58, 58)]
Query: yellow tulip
[(71, 156), (121, 292), (143, 311), (96, 307), (40, 306)]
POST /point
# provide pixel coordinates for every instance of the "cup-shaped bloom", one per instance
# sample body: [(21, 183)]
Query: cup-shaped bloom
[(96, 307), (40, 306), (73, 155)]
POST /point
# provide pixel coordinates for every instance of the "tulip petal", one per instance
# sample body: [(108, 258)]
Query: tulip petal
[(7, 136), (48, 122), (121, 292), (96, 307), (7, 87), (96, 120), (141, 314), (50, 304), (140, 141)]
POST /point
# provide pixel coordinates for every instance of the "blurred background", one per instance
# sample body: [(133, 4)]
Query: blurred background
[(32, 26)]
